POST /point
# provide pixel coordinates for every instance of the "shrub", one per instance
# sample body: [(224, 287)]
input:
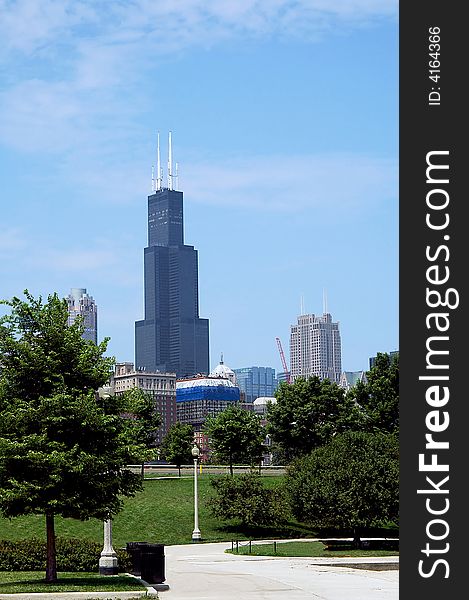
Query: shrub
[(351, 483), (245, 498), (72, 555)]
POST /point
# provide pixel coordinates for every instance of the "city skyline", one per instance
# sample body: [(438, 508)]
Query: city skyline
[(284, 121)]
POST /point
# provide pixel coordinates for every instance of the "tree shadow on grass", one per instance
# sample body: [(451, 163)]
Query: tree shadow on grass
[(288, 530), (292, 530)]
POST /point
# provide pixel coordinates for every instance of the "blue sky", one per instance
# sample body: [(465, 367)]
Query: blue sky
[(284, 117)]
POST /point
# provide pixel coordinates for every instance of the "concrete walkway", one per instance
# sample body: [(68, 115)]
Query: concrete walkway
[(205, 572)]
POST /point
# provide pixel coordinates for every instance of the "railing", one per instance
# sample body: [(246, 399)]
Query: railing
[(236, 545), (153, 470)]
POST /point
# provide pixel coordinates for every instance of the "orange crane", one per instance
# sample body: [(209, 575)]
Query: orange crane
[(282, 358)]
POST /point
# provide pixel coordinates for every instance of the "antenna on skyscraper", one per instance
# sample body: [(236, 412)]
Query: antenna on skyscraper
[(170, 164), (152, 178), (324, 301), (176, 177), (302, 305), (158, 164)]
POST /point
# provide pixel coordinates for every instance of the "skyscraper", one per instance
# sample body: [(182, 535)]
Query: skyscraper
[(315, 348), (256, 382), (82, 305), (171, 337)]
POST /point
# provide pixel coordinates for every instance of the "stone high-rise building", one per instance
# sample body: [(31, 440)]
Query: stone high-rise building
[(82, 305), (315, 348)]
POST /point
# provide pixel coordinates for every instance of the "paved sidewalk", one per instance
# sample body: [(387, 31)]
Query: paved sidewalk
[(205, 572)]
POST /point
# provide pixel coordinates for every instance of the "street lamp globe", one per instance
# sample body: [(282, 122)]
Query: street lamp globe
[(195, 451)]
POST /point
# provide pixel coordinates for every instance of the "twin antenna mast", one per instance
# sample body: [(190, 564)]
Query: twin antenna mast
[(157, 183)]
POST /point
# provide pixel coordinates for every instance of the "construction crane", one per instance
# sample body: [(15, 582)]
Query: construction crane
[(282, 358)]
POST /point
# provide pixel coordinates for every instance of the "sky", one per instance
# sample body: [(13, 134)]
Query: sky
[(284, 121)]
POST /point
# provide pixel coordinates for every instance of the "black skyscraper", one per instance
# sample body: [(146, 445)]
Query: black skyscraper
[(171, 337)]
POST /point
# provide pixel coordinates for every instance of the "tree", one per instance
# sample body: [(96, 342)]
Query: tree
[(244, 497), (177, 444), (351, 483), (138, 406), (236, 435), (308, 413), (62, 448), (379, 396)]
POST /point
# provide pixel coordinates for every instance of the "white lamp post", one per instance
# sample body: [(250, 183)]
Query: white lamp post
[(108, 559), (196, 533)]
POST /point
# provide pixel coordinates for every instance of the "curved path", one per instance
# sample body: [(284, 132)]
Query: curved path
[(205, 572)]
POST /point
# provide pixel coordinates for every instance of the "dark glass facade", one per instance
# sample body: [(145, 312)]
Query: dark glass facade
[(256, 382), (171, 337)]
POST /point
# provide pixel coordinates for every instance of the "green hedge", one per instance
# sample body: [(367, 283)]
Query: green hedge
[(72, 555)]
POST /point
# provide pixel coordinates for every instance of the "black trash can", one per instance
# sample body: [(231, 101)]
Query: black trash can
[(135, 551), (152, 563)]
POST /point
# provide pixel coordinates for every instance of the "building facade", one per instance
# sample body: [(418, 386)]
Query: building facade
[(161, 386), (256, 382), (171, 337), (349, 379), (201, 397), (80, 304), (315, 348)]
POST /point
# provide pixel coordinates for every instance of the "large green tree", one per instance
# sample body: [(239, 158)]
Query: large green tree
[(351, 483), (308, 413), (177, 445), (378, 397), (62, 448), (236, 435)]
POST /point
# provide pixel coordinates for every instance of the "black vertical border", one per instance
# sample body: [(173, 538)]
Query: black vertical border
[(425, 128)]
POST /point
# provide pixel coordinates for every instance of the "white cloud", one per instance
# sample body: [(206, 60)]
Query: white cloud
[(293, 183), (11, 240), (30, 26), (74, 260), (76, 59), (277, 183)]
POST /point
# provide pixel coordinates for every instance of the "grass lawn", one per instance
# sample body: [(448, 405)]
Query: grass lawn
[(304, 549), (162, 513), (33, 581)]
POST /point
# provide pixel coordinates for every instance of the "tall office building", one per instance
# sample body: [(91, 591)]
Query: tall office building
[(82, 305), (315, 348), (171, 337), (256, 382), (160, 386)]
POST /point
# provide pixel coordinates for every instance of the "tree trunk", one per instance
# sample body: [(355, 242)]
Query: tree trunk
[(179, 468), (51, 563), (356, 538)]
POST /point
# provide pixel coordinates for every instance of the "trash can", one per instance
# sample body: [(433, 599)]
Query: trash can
[(135, 551), (152, 563)]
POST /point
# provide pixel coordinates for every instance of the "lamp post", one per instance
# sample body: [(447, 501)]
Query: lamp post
[(108, 560), (196, 533)]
